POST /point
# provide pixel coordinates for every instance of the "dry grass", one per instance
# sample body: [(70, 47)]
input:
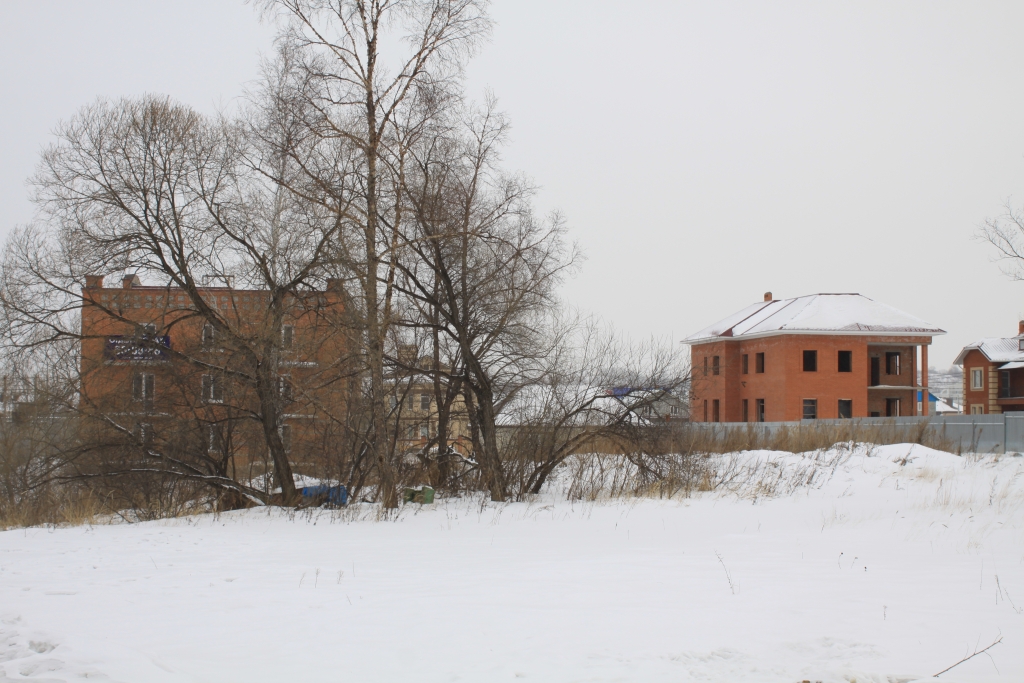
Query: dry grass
[(52, 506)]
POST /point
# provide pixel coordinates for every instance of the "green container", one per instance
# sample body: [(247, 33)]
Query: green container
[(424, 495)]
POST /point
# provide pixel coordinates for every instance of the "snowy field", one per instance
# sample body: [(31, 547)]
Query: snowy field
[(894, 563)]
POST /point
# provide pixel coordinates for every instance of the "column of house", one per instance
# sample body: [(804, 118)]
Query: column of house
[(924, 380)]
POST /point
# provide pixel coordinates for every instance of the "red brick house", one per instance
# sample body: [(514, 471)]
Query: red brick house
[(811, 357), (152, 366), (994, 374)]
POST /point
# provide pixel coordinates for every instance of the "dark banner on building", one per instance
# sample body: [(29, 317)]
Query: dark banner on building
[(136, 349)]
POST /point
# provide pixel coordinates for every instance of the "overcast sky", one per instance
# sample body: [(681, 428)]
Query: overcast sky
[(702, 152)]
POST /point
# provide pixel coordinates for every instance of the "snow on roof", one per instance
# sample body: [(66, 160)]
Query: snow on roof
[(996, 349), (817, 313)]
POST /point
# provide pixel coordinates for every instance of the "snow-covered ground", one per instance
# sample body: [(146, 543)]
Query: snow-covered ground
[(892, 564)]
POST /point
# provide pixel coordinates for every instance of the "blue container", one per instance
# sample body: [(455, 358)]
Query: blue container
[(333, 495)]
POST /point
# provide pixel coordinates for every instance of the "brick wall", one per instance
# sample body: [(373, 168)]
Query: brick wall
[(784, 385)]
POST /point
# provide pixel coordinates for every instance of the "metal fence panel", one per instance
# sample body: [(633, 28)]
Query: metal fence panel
[(968, 433)]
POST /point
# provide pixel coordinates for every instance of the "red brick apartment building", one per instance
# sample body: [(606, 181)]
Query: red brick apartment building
[(151, 365), (811, 357), (994, 374)]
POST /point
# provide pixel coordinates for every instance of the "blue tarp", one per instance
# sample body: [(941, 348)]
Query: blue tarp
[(335, 495)]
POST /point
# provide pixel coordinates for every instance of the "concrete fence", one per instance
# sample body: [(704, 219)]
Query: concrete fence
[(966, 433)]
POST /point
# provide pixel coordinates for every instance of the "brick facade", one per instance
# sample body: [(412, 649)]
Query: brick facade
[(146, 364), (785, 385)]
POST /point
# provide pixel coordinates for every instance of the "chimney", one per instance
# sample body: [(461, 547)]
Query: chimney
[(1020, 327), (768, 297), (130, 281), (96, 282)]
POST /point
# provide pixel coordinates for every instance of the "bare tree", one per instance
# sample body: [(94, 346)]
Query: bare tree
[(1006, 234), (483, 270), (152, 188), (358, 104)]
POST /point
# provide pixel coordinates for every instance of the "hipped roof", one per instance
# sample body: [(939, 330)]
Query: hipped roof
[(995, 349), (851, 314)]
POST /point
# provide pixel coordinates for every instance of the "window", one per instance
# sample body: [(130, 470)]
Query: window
[(143, 433), (287, 336), (875, 413), (977, 378), (745, 408), (759, 363), (810, 409), (424, 401), (892, 407), (705, 365), (147, 329), (213, 389), (714, 365), (705, 410), (215, 438), (810, 361), (846, 361), (977, 409), (745, 365), (143, 386), (759, 409), (209, 337), (424, 431), (1020, 345), (1005, 385), (845, 409), (284, 388), (892, 362), (715, 415), (674, 410), (286, 437), (648, 410)]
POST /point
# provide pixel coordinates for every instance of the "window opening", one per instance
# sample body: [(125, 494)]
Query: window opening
[(284, 387), (209, 337), (143, 388), (846, 361), (215, 438), (810, 361), (213, 389), (714, 365), (759, 408), (745, 364), (759, 363), (845, 408), (715, 415), (810, 409), (892, 407), (892, 362)]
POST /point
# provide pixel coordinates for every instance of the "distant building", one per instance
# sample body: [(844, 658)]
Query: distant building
[(994, 374), (152, 366), (815, 356)]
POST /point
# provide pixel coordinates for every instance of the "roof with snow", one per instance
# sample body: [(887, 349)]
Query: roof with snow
[(852, 314), (996, 349)]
